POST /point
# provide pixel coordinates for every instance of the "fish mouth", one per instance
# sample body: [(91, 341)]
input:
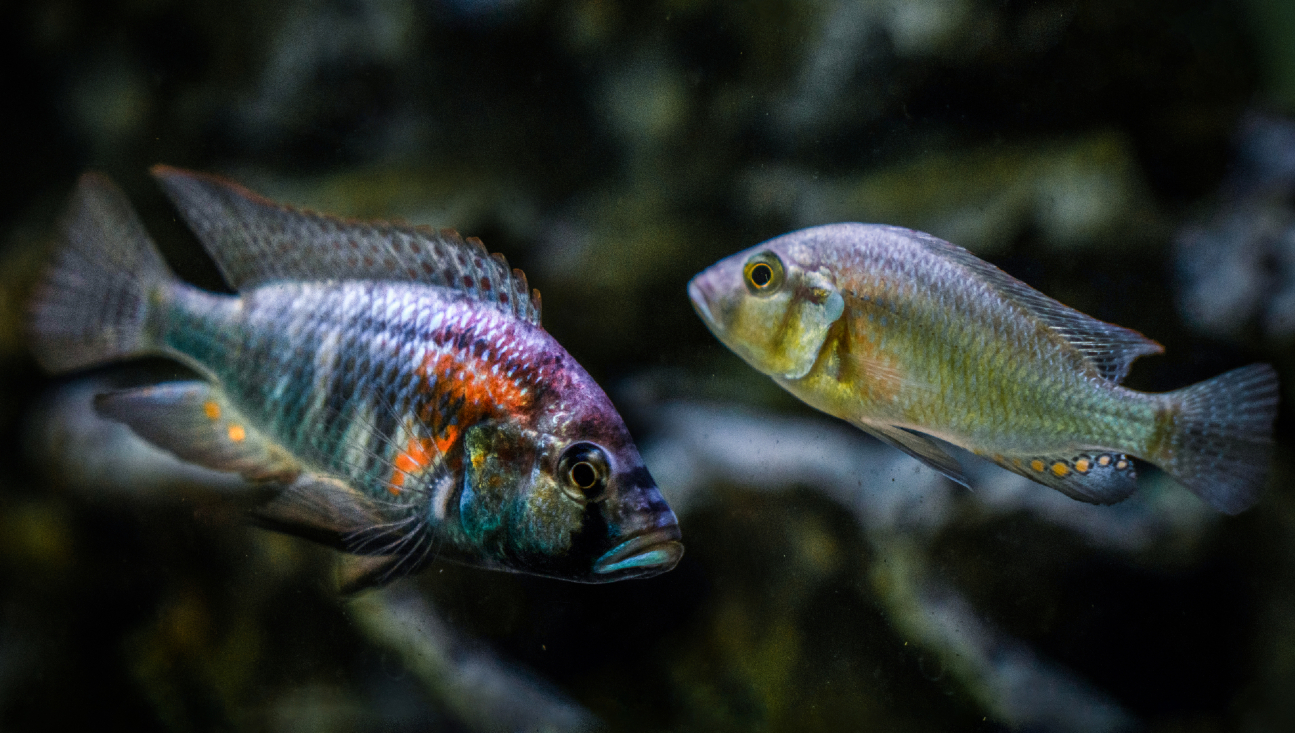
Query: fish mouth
[(697, 294), (642, 556)]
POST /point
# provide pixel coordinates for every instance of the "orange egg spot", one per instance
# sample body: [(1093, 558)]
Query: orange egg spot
[(1036, 464), (1081, 465), (1104, 461), (1060, 468), (237, 433), (211, 409), (1122, 465)]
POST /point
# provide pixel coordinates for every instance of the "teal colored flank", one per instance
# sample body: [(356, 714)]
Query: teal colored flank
[(392, 383), (912, 339)]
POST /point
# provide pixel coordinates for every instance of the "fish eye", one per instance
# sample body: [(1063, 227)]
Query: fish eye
[(583, 471), (763, 273), (583, 475)]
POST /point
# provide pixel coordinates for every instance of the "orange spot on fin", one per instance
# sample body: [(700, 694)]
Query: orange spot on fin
[(212, 409), (237, 433)]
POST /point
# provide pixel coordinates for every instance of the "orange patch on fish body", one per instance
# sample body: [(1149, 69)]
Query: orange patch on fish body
[(409, 461), (874, 368)]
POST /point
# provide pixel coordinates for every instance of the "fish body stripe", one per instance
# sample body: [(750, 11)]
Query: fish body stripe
[(372, 381)]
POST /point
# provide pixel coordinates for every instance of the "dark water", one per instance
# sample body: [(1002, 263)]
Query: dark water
[(1130, 159)]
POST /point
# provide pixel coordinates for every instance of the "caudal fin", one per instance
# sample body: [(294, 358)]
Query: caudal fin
[(1222, 440), (94, 302)]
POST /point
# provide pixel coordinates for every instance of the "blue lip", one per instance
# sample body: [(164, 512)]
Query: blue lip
[(643, 555)]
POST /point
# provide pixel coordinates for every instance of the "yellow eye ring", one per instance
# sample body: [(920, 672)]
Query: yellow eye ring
[(763, 274), (583, 475)]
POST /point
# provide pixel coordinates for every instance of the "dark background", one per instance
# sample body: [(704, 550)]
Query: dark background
[(611, 151)]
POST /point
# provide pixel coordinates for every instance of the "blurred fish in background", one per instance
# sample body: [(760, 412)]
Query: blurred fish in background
[(613, 151)]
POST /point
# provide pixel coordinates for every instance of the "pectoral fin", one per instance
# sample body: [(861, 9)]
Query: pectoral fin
[(383, 541), (920, 447), (1094, 477), (195, 421), (360, 572)]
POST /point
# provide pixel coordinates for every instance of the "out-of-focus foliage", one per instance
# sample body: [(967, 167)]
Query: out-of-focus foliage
[(1129, 159)]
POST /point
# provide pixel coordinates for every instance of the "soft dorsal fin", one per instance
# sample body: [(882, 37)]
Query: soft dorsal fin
[(256, 241), (1109, 348)]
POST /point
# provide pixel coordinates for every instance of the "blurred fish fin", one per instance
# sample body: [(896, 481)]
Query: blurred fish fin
[(361, 572), (324, 510), (1109, 348), (1092, 476), (256, 241), (195, 421), (1221, 440), (920, 447), (94, 302)]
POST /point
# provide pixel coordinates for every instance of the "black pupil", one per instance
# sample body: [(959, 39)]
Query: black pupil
[(761, 274), (583, 475)]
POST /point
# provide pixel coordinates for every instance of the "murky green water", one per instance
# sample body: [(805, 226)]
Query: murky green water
[(1134, 160)]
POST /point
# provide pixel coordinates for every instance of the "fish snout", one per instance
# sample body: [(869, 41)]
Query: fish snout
[(701, 294), (647, 538), (644, 554)]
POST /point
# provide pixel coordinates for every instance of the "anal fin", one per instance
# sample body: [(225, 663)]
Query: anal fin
[(1091, 476), (195, 421), (920, 447)]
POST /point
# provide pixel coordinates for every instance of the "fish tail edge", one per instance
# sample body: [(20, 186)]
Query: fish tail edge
[(97, 297), (1221, 442)]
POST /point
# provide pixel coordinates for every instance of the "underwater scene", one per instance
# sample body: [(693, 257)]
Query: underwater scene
[(875, 365)]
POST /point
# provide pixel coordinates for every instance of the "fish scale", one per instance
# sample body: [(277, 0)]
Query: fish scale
[(392, 385)]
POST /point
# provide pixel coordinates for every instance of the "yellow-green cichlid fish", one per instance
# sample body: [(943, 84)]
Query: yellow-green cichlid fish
[(389, 385), (910, 337)]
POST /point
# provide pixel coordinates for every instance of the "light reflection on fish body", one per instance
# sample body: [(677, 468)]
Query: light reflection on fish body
[(909, 337), (394, 381)]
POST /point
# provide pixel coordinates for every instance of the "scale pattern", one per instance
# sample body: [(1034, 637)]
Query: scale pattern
[(371, 381)]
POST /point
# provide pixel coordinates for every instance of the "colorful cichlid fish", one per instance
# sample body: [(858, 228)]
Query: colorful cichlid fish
[(391, 383), (909, 337)]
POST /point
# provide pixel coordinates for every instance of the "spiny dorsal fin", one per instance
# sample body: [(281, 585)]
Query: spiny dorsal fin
[(1109, 348), (256, 241)]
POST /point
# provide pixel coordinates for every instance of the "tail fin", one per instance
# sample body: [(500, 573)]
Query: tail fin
[(94, 302), (1222, 440)]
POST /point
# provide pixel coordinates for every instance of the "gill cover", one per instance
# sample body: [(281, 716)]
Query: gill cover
[(772, 312), (510, 509)]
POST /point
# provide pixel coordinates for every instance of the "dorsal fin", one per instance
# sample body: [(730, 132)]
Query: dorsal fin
[(256, 241), (1109, 348)]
